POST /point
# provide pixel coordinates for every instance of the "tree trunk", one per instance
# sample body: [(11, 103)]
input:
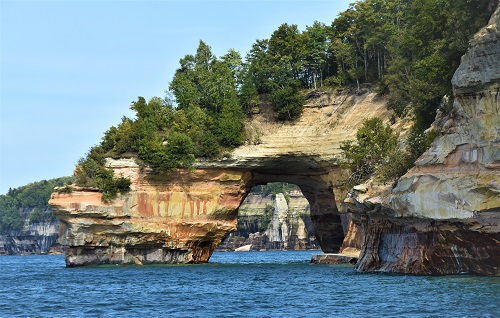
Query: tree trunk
[(378, 64), (366, 64)]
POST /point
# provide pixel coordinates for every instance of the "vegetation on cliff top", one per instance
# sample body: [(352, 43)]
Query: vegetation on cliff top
[(33, 197), (409, 48)]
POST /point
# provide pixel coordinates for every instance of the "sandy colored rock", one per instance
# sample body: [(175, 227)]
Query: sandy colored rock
[(182, 217), (443, 216)]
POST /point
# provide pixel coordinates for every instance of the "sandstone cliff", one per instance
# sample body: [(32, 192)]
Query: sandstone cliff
[(443, 217), (267, 222), (33, 238), (182, 217)]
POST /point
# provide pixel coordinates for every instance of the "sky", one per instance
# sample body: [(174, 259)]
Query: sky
[(69, 70)]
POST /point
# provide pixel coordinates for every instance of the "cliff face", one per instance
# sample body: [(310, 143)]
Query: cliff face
[(179, 218), (182, 217), (266, 223), (33, 238), (443, 217)]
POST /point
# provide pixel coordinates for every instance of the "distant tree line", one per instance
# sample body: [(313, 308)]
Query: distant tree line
[(33, 197), (409, 49), (273, 188)]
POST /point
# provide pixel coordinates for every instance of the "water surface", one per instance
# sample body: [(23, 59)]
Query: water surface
[(245, 284)]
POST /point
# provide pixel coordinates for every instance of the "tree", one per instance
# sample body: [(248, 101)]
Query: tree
[(317, 45), (375, 142), (234, 62), (209, 85), (287, 49), (10, 219), (288, 102), (260, 64)]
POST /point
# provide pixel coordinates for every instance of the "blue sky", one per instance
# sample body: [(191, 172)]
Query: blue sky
[(70, 69)]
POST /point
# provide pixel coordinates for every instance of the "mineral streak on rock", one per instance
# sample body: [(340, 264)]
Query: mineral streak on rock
[(179, 218), (443, 216), (255, 229)]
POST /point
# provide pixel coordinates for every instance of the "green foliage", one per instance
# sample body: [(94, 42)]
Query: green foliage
[(317, 46), (411, 48), (249, 96), (287, 102), (180, 149), (376, 152), (208, 118), (39, 216), (274, 188), (207, 87), (33, 196), (65, 189), (400, 161), (375, 142), (10, 219), (37, 194), (91, 172)]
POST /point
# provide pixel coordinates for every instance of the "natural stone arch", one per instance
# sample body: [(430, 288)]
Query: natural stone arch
[(400, 234), (180, 217), (317, 188)]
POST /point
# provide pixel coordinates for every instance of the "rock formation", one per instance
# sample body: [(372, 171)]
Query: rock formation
[(443, 217), (38, 238), (33, 238), (175, 218), (263, 225), (183, 216)]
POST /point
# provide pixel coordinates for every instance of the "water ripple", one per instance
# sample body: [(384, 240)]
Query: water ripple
[(253, 284)]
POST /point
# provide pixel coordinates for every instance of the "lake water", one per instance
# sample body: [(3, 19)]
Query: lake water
[(245, 284)]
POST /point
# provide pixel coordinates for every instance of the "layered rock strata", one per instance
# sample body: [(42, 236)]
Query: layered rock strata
[(183, 216), (179, 218), (273, 222), (33, 238), (443, 217)]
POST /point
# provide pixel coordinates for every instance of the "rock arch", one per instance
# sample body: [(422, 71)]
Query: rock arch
[(317, 186), (182, 216)]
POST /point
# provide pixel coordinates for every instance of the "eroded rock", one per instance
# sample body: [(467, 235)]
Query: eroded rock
[(443, 216), (181, 217)]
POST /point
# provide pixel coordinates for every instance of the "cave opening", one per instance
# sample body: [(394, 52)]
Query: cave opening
[(281, 215), (273, 216)]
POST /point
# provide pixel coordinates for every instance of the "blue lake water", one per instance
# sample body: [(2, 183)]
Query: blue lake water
[(245, 284)]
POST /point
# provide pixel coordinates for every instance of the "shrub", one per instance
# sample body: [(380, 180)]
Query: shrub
[(65, 189), (91, 172), (288, 102), (377, 152), (375, 142)]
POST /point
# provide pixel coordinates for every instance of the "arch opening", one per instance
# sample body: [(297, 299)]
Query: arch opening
[(317, 187), (273, 216)]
